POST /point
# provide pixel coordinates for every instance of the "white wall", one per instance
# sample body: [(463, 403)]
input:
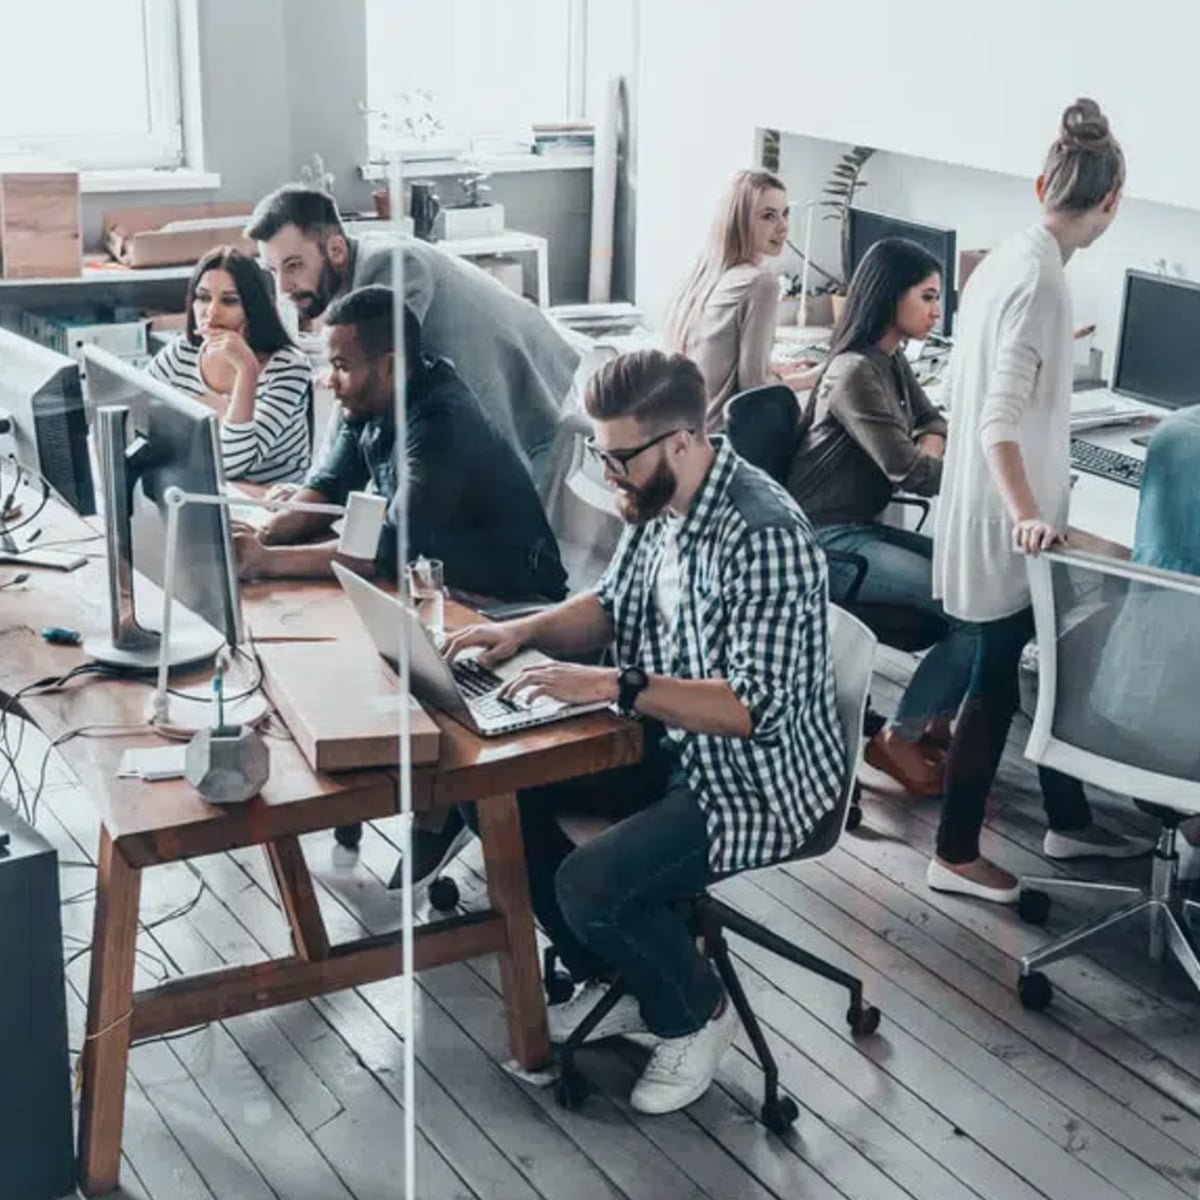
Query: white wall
[(985, 206), (970, 82)]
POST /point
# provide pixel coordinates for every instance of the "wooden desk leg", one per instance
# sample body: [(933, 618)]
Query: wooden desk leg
[(508, 887), (299, 898), (110, 1007)]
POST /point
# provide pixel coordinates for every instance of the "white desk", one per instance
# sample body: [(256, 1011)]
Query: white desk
[(508, 242)]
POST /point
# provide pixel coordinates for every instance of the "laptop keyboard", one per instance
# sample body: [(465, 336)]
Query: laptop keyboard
[(473, 678)]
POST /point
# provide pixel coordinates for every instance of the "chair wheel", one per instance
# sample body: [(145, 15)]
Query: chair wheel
[(780, 1114), (853, 817), (443, 894), (348, 835), (1033, 906), (1035, 991), (571, 1089), (863, 1020), (560, 987)]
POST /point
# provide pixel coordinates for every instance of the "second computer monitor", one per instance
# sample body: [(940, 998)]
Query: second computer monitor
[(867, 228), (1156, 351)]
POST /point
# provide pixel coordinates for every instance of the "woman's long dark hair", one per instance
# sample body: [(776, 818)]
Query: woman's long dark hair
[(264, 330), (887, 270)]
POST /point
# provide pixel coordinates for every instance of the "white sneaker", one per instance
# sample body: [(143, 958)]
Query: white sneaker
[(941, 879), (624, 1018), (681, 1069), (1096, 841)]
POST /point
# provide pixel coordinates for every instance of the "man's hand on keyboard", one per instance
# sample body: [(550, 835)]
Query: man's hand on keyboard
[(569, 683), (499, 641)]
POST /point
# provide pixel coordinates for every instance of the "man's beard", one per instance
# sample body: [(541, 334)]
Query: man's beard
[(638, 505), (329, 283)]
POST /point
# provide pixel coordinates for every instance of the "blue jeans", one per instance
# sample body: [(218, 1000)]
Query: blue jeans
[(900, 571), (613, 904), (979, 740)]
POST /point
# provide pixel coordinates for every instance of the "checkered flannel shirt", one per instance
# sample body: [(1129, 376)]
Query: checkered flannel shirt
[(754, 611)]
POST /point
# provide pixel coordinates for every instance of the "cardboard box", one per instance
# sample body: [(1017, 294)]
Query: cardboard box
[(169, 236), (40, 221)]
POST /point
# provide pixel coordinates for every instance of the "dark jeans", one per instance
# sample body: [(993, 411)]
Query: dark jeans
[(979, 740), (613, 903)]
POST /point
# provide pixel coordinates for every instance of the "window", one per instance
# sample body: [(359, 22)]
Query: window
[(486, 69), (95, 86)]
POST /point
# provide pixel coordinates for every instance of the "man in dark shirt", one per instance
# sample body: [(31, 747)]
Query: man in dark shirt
[(464, 493)]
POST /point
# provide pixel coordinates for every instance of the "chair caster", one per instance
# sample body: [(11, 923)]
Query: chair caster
[(1033, 906), (571, 1088), (1035, 991), (348, 835), (863, 1019), (779, 1114), (559, 985), (853, 817), (443, 894)]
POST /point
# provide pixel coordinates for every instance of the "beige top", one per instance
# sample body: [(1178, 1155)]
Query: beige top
[(1010, 381), (730, 341)]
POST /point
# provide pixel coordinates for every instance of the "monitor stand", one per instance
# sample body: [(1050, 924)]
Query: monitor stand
[(51, 560)]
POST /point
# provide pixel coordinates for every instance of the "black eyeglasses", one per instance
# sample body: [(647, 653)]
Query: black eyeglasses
[(617, 461)]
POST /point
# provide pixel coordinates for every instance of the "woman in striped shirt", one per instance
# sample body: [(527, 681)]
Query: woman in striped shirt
[(236, 357)]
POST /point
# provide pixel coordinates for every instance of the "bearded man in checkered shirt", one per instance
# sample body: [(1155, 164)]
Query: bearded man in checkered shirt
[(716, 607)]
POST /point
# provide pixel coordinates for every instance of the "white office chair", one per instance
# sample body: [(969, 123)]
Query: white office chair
[(853, 651), (1118, 664)]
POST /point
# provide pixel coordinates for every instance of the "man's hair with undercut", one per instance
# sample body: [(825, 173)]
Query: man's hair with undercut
[(311, 210), (660, 391)]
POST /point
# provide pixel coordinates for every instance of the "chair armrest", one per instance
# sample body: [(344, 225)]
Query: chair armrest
[(858, 564), (914, 502)]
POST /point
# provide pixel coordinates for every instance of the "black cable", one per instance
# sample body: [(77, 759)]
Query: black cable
[(33, 516)]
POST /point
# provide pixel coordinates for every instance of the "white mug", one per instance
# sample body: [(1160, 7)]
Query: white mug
[(361, 525)]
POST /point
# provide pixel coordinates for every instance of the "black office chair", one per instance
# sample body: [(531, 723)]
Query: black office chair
[(765, 425)]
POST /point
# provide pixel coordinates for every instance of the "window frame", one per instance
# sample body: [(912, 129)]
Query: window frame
[(162, 146)]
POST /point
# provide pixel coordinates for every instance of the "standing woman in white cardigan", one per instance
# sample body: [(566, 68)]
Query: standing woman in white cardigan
[(724, 316), (1006, 490)]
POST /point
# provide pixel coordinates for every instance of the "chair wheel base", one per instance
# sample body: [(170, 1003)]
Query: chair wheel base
[(560, 987), (779, 1114), (349, 836), (443, 894), (863, 1020), (853, 817), (1035, 991), (571, 1089), (1033, 906)]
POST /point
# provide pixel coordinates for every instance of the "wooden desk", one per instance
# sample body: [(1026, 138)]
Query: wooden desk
[(145, 824)]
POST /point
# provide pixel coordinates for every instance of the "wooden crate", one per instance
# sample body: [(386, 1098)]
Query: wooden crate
[(40, 235)]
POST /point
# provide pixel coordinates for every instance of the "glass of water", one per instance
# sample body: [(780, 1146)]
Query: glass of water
[(427, 595)]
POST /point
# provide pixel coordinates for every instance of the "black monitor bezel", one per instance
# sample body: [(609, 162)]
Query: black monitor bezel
[(1152, 277)]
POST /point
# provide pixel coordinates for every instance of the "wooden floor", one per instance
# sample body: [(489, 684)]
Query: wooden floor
[(962, 1094)]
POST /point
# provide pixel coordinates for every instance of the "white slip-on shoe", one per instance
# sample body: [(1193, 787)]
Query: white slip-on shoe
[(1096, 841), (681, 1069), (942, 879), (624, 1018)]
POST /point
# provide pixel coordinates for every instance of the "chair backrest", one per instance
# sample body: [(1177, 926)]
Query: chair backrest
[(1118, 665), (852, 647), (579, 505), (764, 425)]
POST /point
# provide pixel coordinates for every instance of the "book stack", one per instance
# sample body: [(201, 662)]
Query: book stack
[(558, 137)]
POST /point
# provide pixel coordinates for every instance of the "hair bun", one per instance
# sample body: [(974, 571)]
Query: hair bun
[(1084, 126)]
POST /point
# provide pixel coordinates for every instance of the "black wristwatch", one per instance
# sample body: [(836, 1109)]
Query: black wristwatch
[(631, 682)]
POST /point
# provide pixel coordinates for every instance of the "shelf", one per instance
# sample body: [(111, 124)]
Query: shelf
[(98, 276)]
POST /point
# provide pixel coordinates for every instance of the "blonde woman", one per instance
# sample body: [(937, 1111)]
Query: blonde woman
[(1006, 490), (724, 318)]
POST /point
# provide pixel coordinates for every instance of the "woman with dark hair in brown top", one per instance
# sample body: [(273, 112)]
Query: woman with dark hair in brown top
[(874, 432)]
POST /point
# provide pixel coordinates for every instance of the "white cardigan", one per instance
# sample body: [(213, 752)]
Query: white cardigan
[(1010, 381)]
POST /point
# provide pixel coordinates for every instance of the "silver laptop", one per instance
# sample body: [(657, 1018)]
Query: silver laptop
[(464, 689)]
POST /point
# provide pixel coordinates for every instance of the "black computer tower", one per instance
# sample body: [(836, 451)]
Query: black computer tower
[(36, 1147)]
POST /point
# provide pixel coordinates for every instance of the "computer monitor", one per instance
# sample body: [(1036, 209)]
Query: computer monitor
[(43, 425), (867, 228), (1156, 349), (149, 436)]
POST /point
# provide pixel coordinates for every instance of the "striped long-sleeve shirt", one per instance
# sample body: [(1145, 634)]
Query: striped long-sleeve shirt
[(277, 444)]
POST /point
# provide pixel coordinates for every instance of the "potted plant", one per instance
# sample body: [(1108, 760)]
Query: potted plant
[(476, 216), (843, 185)]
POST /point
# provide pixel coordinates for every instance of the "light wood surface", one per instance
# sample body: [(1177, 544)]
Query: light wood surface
[(147, 824), (40, 224)]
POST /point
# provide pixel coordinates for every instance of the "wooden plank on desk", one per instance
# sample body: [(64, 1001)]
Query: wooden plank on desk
[(341, 702)]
